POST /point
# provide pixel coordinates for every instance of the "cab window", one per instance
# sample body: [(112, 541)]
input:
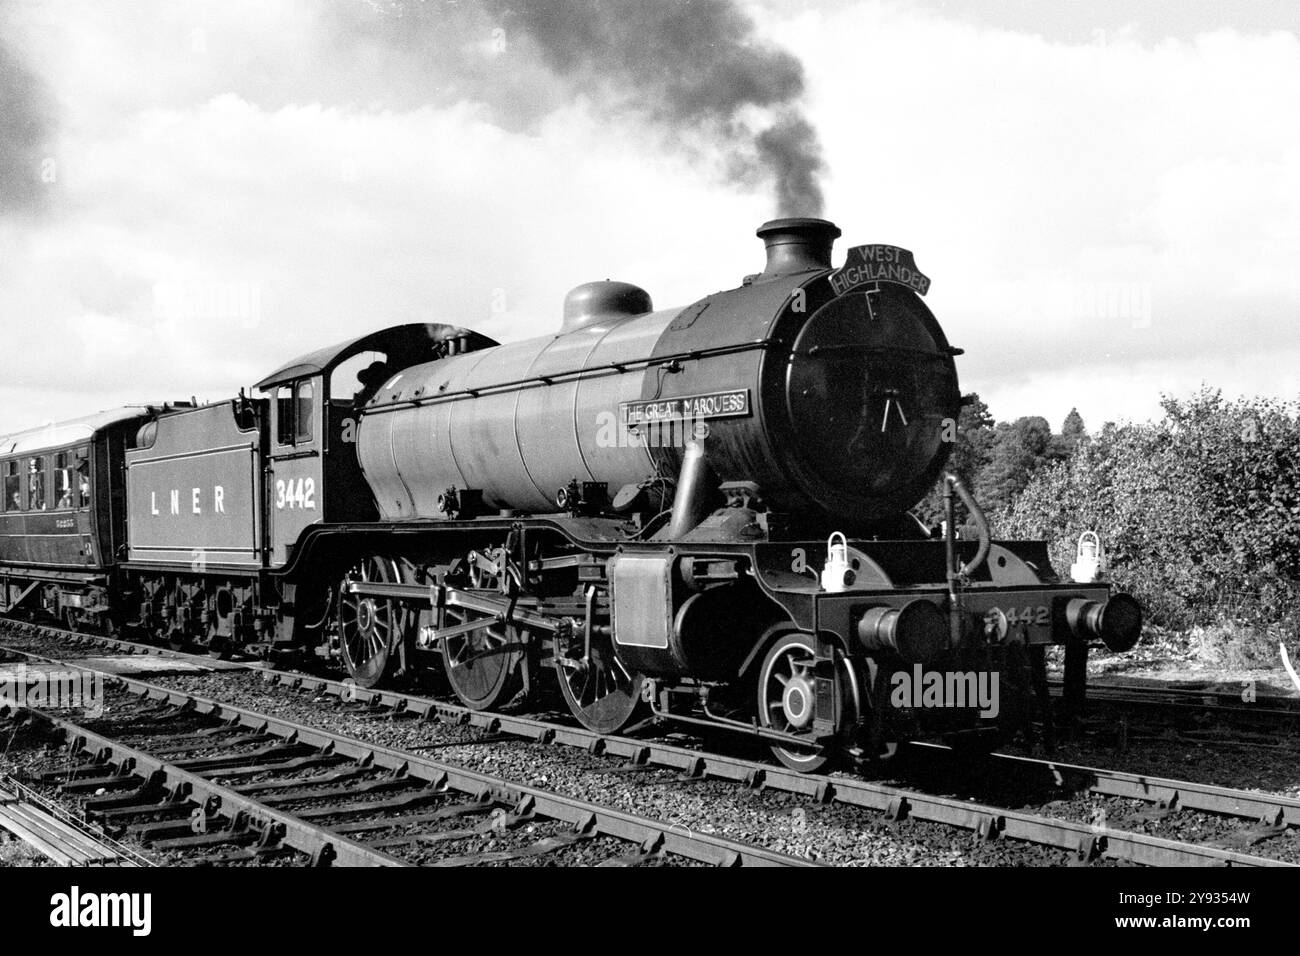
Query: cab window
[(304, 422), (284, 414), (354, 381), (36, 483), (13, 493), (294, 413)]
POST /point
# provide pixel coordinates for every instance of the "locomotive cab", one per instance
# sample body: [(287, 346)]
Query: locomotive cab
[(313, 475)]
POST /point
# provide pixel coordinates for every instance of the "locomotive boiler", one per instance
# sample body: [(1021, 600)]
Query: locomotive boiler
[(831, 404), (697, 514)]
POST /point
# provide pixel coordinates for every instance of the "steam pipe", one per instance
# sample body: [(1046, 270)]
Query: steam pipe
[(952, 485), (691, 500), (950, 562), (981, 526)]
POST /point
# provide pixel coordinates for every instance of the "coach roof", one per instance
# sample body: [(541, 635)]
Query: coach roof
[(57, 434), (403, 344)]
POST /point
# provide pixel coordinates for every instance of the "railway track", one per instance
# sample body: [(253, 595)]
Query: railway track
[(1083, 840), (211, 783), (1255, 817), (56, 834), (1281, 711)]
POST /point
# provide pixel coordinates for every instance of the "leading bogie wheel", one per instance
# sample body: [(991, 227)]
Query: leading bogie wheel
[(787, 698)]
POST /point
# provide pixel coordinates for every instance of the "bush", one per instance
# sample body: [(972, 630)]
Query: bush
[(1199, 512)]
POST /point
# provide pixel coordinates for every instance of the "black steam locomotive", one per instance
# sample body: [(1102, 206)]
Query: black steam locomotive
[(696, 513)]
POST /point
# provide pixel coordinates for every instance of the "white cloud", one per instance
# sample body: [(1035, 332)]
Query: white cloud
[(1033, 178)]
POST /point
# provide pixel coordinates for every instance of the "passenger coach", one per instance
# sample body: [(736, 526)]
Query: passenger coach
[(64, 515)]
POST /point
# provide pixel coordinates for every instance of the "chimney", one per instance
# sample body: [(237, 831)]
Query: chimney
[(797, 245)]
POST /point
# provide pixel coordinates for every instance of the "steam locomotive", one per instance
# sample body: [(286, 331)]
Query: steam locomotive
[(699, 514)]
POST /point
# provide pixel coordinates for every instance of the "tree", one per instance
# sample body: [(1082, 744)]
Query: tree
[(971, 451), (1073, 426), (1199, 512), (1072, 432), (1020, 448)]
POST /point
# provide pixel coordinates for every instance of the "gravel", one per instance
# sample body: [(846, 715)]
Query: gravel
[(786, 823)]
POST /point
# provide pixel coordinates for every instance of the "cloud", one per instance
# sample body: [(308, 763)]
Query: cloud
[(1044, 184), (25, 129), (1100, 221)]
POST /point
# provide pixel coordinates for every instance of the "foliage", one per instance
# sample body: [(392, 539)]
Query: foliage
[(1199, 512), (996, 460), (971, 453)]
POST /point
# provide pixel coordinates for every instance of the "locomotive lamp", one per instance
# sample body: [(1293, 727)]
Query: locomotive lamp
[(1089, 559), (837, 575)]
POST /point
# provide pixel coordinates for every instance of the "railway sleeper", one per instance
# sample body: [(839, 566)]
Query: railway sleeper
[(344, 789), (202, 742), (92, 785), (427, 795), (540, 848), (267, 756), (270, 786), (498, 822), (308, 762), (197, 840), (113, 818), (411, 819)]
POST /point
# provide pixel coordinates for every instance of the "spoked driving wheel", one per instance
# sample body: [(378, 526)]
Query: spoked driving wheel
[(600, 691), (483, 666), (370, 628), (786, 697)]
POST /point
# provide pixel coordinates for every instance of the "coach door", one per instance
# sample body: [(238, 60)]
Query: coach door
[(295, 486)]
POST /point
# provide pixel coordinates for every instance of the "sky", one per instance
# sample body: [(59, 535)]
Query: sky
[(1105, 195)]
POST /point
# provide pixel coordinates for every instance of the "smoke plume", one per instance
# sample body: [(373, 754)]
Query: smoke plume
[(695, 68)]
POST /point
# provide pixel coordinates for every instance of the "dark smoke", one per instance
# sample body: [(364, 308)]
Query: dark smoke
[(791, 150), (24, 131), (693, 67)]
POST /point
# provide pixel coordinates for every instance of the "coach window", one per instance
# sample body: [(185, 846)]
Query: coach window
[(36, 483), (13, 487), (63, 491), (82, 476)]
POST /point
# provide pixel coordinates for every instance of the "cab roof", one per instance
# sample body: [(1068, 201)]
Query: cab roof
[(405, 345)]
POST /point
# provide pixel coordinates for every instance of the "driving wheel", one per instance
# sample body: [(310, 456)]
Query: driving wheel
[(370, 627)]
